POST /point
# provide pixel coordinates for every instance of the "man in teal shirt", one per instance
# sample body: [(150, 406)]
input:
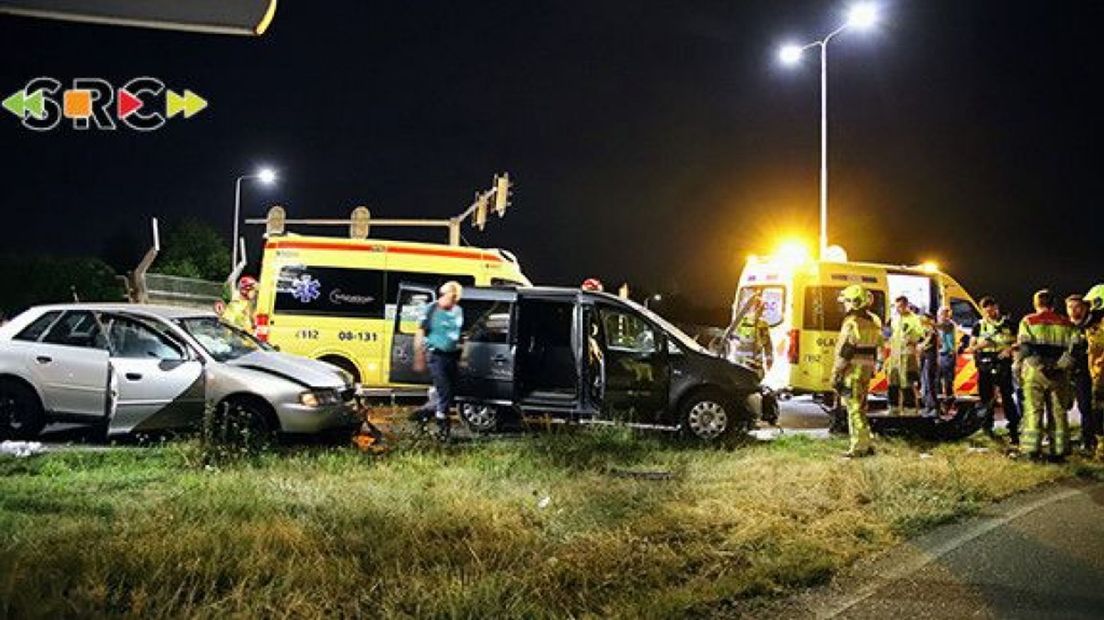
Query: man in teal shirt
[(439, 335)]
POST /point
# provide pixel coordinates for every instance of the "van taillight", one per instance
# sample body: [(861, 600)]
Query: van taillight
[(261, 331), (793, 352)]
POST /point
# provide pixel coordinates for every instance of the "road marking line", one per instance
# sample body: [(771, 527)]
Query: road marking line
[(904, 569)]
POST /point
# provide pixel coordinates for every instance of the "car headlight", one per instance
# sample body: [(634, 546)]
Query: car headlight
[(319, 398)]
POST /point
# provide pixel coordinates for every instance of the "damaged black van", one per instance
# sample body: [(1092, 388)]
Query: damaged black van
[(585, 357)]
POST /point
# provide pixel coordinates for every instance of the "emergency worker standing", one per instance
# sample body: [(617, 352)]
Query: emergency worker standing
[(439, 334), (902, 367), (857, 351), (242, 308), (751, 341), (1046, 339), (1078, 312), (1094, 340), (993, 342)]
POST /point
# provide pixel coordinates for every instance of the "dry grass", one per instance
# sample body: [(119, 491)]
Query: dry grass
[(463, 531)]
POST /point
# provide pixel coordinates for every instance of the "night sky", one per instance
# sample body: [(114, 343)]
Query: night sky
[(656, 142)]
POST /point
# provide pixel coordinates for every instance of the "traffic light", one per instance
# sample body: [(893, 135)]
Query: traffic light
[(480, 220), (275, 222), (502, 193), (359, 223)]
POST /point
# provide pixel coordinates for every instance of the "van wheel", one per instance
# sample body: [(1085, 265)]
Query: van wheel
[(344, 364), (21, 414), (480, 418), (708, 416), (837, 421)]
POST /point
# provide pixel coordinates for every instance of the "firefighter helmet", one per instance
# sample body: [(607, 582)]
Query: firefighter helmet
[(1095, 297), (855, 297), (247, 283)]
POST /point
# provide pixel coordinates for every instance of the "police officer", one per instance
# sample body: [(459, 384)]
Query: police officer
[(750, 343), (903, 366), (241, 309), (993, 342), (857, 350), (1046, 339)]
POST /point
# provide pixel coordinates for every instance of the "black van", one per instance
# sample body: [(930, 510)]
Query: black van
[(581, 356)]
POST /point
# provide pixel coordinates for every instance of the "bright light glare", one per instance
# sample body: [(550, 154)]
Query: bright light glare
[(789, 54), (267, 176), (930, 266), (792, 252), (862, 15)]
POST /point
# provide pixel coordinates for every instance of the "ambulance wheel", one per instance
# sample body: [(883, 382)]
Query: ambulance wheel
[(21, 413), (708, 416), (480, 418)]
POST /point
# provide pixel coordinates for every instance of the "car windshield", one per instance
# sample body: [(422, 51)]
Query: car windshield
[(682, 337), (220, 340)]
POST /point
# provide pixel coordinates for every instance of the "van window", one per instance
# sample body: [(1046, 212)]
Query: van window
[(627, 332), (824, 312), (330, 291), (964, 314), (486, 321), (921, 291), (774, 302)]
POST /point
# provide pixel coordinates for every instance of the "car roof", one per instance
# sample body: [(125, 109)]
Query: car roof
[(163, 312)]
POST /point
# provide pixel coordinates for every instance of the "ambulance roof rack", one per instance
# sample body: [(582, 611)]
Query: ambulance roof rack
[(360, 220)]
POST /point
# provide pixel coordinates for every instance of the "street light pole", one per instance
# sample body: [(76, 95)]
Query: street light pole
[(861, 16), (266, 176)]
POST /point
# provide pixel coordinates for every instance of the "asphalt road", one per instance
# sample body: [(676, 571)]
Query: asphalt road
[(1039, 555)]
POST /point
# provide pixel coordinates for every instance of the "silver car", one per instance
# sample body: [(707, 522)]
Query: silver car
[(136, 368)]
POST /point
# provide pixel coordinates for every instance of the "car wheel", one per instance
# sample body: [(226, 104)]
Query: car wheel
[(242, 422), (480, 418), (708, 416), (21, 414)]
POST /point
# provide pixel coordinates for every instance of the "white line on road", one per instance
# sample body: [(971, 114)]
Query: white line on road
[(909, 567)]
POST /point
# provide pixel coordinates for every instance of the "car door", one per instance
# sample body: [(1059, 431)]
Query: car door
[(70, 366), (487, 361), (156, 382), (411, 304), (637, 371)]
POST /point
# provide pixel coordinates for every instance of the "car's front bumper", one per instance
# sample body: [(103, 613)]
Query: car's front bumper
[(300, 419)]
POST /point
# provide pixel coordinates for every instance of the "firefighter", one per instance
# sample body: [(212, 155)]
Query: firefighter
[(1077, 309), (993, 342), (1094, 339), (750, 342), (903, 365), (1046, 339), (857, 351), (239, 312)]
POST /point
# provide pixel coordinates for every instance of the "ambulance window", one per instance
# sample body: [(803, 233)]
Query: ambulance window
[(428, 280), (964, 314), (774, 302), (330, 291), (824, 312), (486, 321)]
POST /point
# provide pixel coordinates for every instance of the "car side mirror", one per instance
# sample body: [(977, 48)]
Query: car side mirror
[(167, 365)]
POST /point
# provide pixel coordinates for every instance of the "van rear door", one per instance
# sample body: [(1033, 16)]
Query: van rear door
[(411, 304)]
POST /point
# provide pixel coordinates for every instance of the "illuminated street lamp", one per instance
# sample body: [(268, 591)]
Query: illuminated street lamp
[(862, 16), (267, 176), (651, 298)]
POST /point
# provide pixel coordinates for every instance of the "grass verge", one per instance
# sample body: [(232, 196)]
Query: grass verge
[(541, 527)]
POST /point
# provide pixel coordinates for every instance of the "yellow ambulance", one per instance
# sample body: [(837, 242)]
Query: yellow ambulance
[(800, 297), (334, 299)]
